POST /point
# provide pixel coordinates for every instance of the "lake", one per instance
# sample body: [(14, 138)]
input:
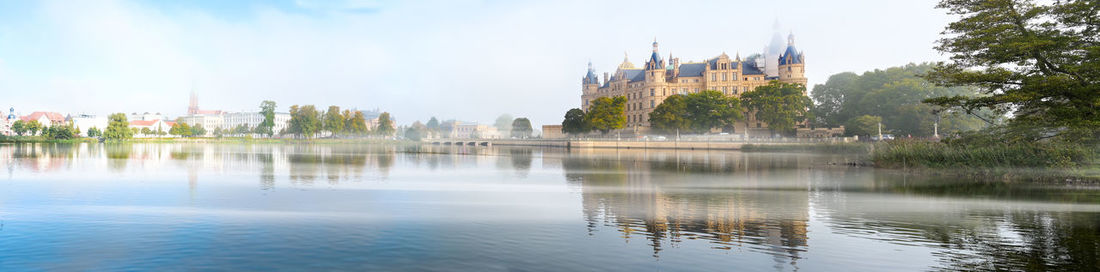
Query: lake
[(443, 208)]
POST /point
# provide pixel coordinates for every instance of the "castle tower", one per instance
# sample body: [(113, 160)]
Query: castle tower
[(792, 64), (655, 66), (590, 84)]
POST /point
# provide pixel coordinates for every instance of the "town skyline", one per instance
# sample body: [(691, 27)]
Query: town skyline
[(138, 56)]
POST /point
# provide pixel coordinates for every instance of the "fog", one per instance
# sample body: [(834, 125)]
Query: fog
[(465, 60)]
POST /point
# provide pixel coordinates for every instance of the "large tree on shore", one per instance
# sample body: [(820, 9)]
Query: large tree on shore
[(574, 122), (118, 128), (781, 105), (1037, 60), (267, 127), (671, 115), (385, 125), (521, 128), (305, 121), (334, 120), (606, 114), (711, 109), (19, 127)]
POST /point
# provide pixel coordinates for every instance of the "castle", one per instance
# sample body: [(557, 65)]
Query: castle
[(647, 86)]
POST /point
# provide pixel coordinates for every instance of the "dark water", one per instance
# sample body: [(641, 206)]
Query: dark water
[(362, 207)]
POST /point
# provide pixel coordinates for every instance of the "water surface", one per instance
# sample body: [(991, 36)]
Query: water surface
[(375, 207)]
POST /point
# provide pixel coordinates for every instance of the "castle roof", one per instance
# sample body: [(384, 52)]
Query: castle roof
[(52, 116), (750, 69), (692, 69), (634, 75)]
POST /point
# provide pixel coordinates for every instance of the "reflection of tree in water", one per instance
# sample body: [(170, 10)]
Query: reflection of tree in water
[(637, 195), (521, 160), (975, 236), (118, 155)]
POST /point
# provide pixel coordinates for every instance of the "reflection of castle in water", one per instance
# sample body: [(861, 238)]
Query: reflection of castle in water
[(672, 197)]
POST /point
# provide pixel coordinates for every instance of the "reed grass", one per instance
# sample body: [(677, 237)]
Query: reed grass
[(924, 154)]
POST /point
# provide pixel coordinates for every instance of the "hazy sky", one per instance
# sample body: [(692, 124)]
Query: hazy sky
[(465, 59)]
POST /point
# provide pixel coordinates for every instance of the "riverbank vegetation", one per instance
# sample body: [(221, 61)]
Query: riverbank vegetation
[(1037, 66)]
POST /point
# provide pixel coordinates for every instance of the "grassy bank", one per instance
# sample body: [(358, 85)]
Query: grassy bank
[(922, 154), (821, 147)]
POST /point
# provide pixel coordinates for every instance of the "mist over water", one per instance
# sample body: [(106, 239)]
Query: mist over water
[(408, 207)]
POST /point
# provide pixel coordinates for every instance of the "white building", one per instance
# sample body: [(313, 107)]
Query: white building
[(228, 121), (85, 121)]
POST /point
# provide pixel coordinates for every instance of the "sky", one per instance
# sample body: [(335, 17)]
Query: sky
[(454, 59)]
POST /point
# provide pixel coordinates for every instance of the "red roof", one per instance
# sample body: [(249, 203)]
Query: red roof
[(52, 116), (143, 123)]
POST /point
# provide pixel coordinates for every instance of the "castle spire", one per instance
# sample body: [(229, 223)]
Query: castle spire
[(790, 38)]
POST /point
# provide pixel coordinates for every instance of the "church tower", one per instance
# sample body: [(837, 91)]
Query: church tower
[(792, 64), (193, 106)]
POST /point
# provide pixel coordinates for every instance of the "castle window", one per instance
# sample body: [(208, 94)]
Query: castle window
[(652, 92), (696, 90), (651, 103), (724, 76), (713, 77), (696, 80), (724, 90)]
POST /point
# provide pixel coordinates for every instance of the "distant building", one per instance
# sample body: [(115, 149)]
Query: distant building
[(214, 119), (469, 130), (5, 123), (85, 121), (154, 126), (45, 118)]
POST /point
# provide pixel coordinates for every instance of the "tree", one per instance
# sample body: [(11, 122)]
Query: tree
[(574, 122), (305, 121), (19, 127), (385, 125), (146, 131), (33, 126), (356, 123), (59, 132), (711, 109), (894, 94), (671, 115), (504, 124), (118, 128), (863, 125), (416, 131), (334, 120), (433, 126), (521, 128), (781, 105), (1039, 61), (606, 114), (218, 132), (267, 109), (198, 130), (241, 130), (93, 132), (180, 129)]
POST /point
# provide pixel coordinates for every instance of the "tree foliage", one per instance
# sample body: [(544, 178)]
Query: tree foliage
[(356, 123), (606, 114), (33, 127), (574, 122), (1038, 60), (895, 95), (864, 125), (118, 128), (503, 123), (93, 132), (19, 127), (521, 128), (305, 121), (334, 120), (696, 112), (385, 125), (180, 129), (267, 127), (671, 115), (781, 105)]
